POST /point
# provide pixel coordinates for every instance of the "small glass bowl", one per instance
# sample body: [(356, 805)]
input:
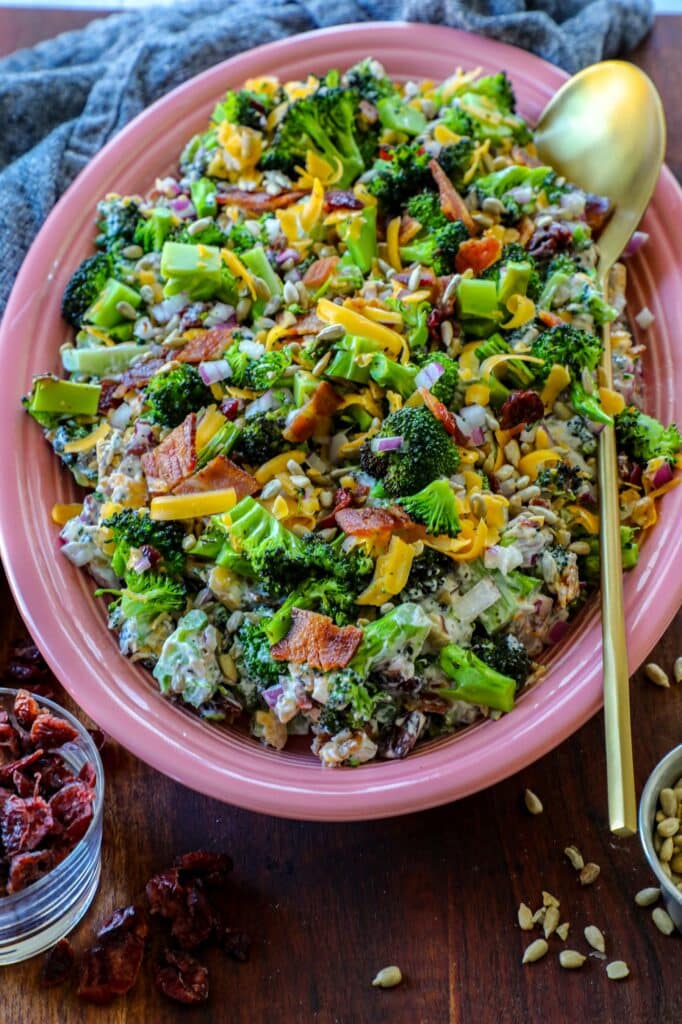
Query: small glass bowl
[(36, 918), (666, 773)]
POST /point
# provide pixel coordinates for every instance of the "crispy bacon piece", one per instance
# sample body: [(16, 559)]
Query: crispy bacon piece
[(314, 640), (451, 203), (521, 407), (182, 978), (342, 499), (340, 199), (318, 272), (208, 344), (369, 521), (549, 319), (442, 413), (477, 254), (217, 475), (174, 459), (139, 374), (409, 227), (309, 324), (324, 401), (107, 396), (259, 202)]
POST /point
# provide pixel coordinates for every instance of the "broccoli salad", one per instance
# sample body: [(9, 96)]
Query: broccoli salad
[(334, 396)]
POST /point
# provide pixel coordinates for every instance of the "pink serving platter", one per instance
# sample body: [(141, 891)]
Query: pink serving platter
[(55, 598)]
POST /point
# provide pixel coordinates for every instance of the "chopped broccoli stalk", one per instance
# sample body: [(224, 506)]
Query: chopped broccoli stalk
[(643, 437), (255, 660), (148, 595), (370, 80), (102, 360), (588, 405), (344, 365), (397, 115), (203, 193), (261, 438), (258, 263), (222, 443), (415, 318), (477, 299), (171, 396), (51, 398), (392, 375), (477, 682), (436, 507), (153, 231), (328, 122), (402, 631), (328, 597), (187, 665), (133, 529), (402, 174), (103, 312), (506, 654), (197, 270), (359, 233), (86, 283), (629, 552), (304, 387), (427, 452)]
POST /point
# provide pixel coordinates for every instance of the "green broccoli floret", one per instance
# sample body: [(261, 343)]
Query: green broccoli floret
[(490, 105), (255, 661), (445, 388), (506, 654), (561, 480), (370, 80), (426, 453), (427, 575), (148, 595), (349, 568), (151, 232), (514, 587), (576, 350), (242, 106), (261, 438), (240, 238), (498, 89), (401, 633), (350, 704), (643, 437), (118, 220), (592, 301), (261, 374), (170, 397), (515, 271), (86, 283), (328, 597), (456, 160), (559, 270), (517, 372), (476, 681), (276, 555), (132, 529), (437, 243), (499, 184), (81, 465), (328, 122), (435, 506), (212, 234), (404, 172)]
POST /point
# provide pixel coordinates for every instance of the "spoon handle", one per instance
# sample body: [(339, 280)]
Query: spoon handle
[(619, 767)]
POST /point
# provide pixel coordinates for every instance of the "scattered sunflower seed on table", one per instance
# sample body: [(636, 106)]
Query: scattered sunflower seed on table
[(388, 977), (532, 802)]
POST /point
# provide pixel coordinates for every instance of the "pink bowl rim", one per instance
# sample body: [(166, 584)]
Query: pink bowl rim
[(112, 691)]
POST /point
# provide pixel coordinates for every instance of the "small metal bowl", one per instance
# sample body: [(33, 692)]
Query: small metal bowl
[(666, 773)]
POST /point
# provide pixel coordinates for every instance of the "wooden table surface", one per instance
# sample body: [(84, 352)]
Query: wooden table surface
[(436, 893)]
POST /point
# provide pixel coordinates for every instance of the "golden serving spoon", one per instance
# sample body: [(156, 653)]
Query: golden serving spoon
[(605, 131)]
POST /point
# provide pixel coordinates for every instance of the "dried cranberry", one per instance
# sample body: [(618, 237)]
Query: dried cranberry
[(212, 868), (108, 399), (27, 868), (8, 770), (49, 731), (69, 802), (58, 964), (547, 242), (231, 407), (337, 199), (54, 773), (185, 905), (598, 209), (88, 774), (9, 740), (110, 967), (521, 407), (26, 708), (433, 322), (24, 823), (182, 978), (151, 554), (126, 919)]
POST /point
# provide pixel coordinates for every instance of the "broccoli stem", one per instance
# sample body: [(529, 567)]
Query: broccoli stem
[(102, 360), (477, 297), (359, 233), (392, 375), (588, 405), (52, 396), (258, 263), (395, 114), (203, 193), (476, 682)]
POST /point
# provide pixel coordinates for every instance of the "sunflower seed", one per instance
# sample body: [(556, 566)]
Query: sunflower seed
[(575, 857), (300, 480), (527, 494), (645, 897), (580, 547), (261, 288), (551, 921), (388, 977), (524, 916), (535, 951), (522, 482), (589, 873), (539, 915), (571, 958), (562, 930), (271, 488), (595, 938), (548, 900), (668, 827), (656, 674), (617, 970), (197, 226), (322, 364), (326, 499), (126, 310), (243, 309), (662, 920), (446, 332), (512, 452), (414, 278), (290, 293), (676, 863), (132, 252), (332, 332), (532, 802), (668, 802), (666, 851), (677, 669)]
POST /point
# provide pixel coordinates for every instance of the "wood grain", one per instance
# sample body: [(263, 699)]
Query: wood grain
[(436, 893)]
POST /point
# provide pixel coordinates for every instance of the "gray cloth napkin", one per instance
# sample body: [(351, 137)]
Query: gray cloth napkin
[(62, 100)]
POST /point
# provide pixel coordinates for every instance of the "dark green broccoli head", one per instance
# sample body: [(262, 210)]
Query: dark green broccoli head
[(437, 247), (561, 480), (514, 253), (506, 654), (427, 452), (459, 122), (261, 374), (370, 80), (643, 437), (118, 220), (151, 232), (569, 347), (150, 594), (350, 568), (497, 88), (241, 239), (436, 507), (132, 529), (85, 285), (425, 207), (401, 174), (456, 160), (350, 704), (170, 397), (242, 106), (254, 659), (261, 438), (326, 597), (210, 235), (427, 575)]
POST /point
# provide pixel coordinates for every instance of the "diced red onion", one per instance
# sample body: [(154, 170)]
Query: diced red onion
[(429, 374), (573, 202), (180, 204), (288, 254), (637, 240), (142, 564), (522, 194), (120, 417), (215, 370), (481, 596), (143, 432), (477, 436), (386, 444), (471, 416), (272, 695), (168, 185), (267, 401), (663, 475), (335, 445)]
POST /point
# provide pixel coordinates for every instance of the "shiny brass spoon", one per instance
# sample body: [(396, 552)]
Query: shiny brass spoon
[(605, 131)]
